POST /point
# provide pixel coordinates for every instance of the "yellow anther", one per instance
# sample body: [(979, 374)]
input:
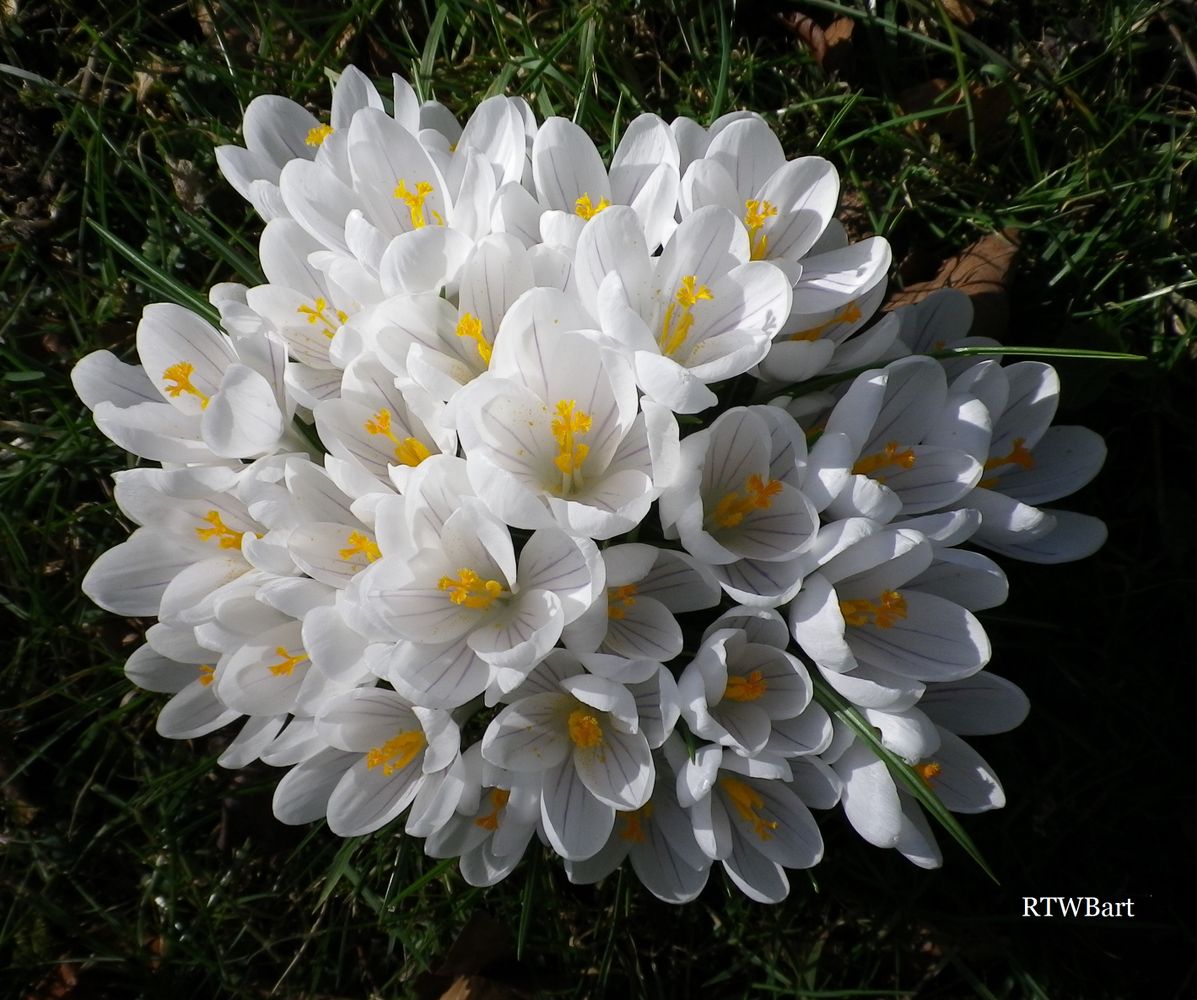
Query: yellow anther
[(471, 326), (758, 495), (470, 590), (849, 314), (287, 662), (747, 801), (180, 375), (571, 454), (410, 451), (928, 770), (889, 457), (395, 754), (414, 200), (360, 545), (1018, 455), (883, 612), (317, 135), (587, 210), (740, 688), (584, 729), (316, 314), (207, 674), (619, 600), (675, 327), (756, 213), (633, 823), (498, 800), (228, 538)]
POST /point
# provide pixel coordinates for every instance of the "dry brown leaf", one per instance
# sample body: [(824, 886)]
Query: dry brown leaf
[(982, 271), (479, 988), (963, 12), (831, 46), (990, 106), (59, 984)]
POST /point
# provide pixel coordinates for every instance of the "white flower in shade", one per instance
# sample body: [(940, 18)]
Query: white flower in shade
[(277, 131), (737, 504), (584, 739), (399, 749), (747, 816), (700, 313), (658, 839), (553, 433), (1030, 463), (876, 637), (941, 320), (171, 662)]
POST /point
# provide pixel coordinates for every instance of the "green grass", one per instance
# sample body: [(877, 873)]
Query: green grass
[(130, 865)]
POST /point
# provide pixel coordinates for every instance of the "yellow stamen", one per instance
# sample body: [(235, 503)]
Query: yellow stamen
[(1018, 455), (619, 600), (587, 210), (759, 494), (883, 612), (360, 545), (180, 375), (287, 662), (756, 213), (414, 200), (498, 799), (317, 135), (849, 314), (207, 674), (891, 456), (747, 801), (229, 539), (675, 327), (316, 314), (748, 688), (633, 823), (471, 326), (410, 451), (571, 454), (471, 590), (584, 729), (927, 771), (395, 754)]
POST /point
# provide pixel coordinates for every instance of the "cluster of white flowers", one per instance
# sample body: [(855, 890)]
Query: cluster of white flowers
[(574, 540)]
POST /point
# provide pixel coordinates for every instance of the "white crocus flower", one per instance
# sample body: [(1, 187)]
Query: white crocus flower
[(584, 739), (553, 433)]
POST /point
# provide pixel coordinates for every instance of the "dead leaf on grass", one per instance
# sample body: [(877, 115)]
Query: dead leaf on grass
[(982, 271), (831, 46), (990, 106)]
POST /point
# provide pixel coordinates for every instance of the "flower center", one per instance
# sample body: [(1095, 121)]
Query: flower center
[(396, 753), (228, 538), (890, 457), (470, 326), (470, 590), (675, 327), (570, 453), (410, 451), (633, 823), (316, 314), (849, 314), (498, 799), (1018, 455), (619, 600), (414, 200), (927, 770), (587, 210), (747, 801), (360, 545), (180, 375), (756, 213), (748, 688), (207, 674), (883, 612), (758, 495), (317, 135), (287, 662), (584, 729)]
